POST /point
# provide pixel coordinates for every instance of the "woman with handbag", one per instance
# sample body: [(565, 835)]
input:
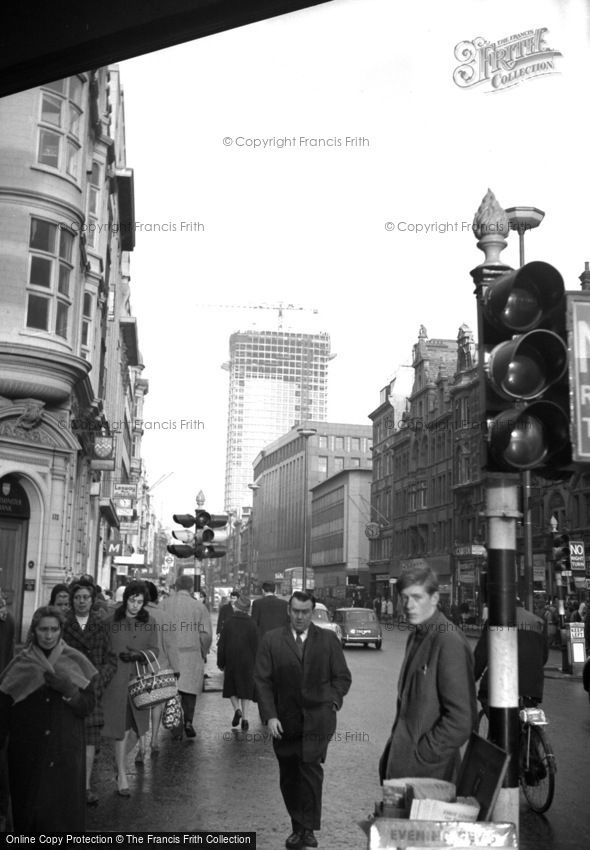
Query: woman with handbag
[(45, 693), (133, 632)]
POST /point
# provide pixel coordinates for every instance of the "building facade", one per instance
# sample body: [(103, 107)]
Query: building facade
[(340, 511), (428, 488), (70, 368), (282, 492), (277, 378)]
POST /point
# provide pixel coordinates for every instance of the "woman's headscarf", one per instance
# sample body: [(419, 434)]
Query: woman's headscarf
[(26, 672)]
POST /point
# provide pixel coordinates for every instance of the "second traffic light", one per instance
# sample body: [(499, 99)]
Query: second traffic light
[(525, 387), (561, 552)]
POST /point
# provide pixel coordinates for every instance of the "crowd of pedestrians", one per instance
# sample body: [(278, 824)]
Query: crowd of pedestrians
[(65, 694)]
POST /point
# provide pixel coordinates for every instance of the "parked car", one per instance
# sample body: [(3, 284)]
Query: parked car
[(321, 618), (358, 625)]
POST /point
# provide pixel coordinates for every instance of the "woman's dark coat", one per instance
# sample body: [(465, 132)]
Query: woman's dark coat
[(47, 759), (236, 653), (93, 642)]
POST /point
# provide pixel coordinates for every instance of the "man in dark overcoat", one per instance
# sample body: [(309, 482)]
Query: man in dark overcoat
[(301, 679), (269, 612), (436, 708)]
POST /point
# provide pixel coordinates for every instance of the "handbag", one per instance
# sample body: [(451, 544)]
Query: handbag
[(151, 685), (172, 716)]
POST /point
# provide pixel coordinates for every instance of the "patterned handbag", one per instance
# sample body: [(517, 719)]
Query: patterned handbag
[(172, 716), (152, 685)]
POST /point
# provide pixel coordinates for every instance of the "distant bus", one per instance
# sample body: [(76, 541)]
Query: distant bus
[(292, 579)]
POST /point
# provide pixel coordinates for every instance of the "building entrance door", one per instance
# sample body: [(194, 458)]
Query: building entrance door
[(13, 541), (14, 528)]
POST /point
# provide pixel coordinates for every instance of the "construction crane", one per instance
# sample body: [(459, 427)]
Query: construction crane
[(280, 308)]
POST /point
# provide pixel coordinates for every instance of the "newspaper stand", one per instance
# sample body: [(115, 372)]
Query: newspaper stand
[(480, 778), (573, 648)]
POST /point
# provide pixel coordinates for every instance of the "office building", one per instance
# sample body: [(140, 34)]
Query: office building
[(277, 379)]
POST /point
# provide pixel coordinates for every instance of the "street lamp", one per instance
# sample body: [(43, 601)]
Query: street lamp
[(254, 488), (306, 433)]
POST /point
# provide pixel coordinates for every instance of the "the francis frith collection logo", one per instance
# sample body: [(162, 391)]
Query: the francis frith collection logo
[(506, 62)]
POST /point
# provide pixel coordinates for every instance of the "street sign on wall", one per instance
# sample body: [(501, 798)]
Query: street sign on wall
[(579, 317)]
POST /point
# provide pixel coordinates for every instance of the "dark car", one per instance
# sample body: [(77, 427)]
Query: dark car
[(358, 625)]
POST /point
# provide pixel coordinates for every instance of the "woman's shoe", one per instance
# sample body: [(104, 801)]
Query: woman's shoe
[(237, 717), (245, 725)]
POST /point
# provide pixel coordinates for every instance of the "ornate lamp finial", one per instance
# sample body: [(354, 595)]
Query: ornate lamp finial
[(491, 226)]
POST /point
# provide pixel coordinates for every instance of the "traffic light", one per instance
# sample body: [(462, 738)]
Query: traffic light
[(561, 552), (205, 541), (210, 538), (187, 548), (525, 385)]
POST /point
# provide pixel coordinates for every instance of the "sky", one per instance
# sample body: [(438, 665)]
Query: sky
[(300, 160)]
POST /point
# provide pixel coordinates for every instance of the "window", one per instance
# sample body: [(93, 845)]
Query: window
[(322, 467), (50, 270), (339, 444), (59, 126), (86, 320), (355, 444), (355, 462), (338, 464), (322, 441), (93, 204)]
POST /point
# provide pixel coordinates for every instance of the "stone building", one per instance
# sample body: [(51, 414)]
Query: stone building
[(70, 367)]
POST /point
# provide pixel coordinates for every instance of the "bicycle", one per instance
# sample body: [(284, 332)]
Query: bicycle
[(536, 760)]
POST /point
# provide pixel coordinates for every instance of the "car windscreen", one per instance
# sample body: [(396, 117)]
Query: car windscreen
[(320, 616), (360, 617)]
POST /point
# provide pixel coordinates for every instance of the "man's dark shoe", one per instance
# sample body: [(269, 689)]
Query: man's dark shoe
[(309, 839), (294, 841), (189, 730)]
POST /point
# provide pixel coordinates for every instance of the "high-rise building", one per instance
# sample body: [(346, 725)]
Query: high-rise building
[(277, 379)]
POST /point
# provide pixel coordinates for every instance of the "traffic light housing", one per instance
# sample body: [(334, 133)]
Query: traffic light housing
[(561, 552), (205, 541), (524, 371)]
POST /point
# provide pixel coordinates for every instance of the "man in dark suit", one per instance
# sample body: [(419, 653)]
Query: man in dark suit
[(301, 679), (436, 707), (269, 612)]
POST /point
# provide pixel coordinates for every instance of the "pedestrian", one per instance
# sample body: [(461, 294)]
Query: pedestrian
[(60, 597), (389, 610), (301, 679), (193, 631), (45, 693), (132, 632), (226, 611), (436, 708), (533, 651), (168, 658), (269, 612), (84, 630), (236, 654), (377, 606)]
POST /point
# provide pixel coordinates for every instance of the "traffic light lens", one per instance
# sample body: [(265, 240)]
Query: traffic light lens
[(525, 377), (522, 310), (527, 445)]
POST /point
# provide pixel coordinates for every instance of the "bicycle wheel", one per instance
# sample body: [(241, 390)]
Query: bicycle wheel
[(483, 724), (536, 768)]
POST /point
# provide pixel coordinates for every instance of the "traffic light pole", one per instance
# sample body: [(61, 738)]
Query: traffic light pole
[(490, 226), (502, 514)]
